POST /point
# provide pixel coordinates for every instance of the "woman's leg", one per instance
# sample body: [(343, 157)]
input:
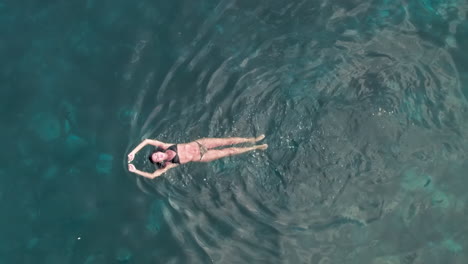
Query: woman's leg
[(217, 142), (214, 154)]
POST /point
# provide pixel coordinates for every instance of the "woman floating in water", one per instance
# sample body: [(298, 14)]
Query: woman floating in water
[(168, 156)]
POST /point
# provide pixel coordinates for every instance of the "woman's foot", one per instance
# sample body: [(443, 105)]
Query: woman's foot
[(262, 147), (262, 136)]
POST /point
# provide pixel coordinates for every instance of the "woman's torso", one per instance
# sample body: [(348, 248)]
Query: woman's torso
[(186, 152)]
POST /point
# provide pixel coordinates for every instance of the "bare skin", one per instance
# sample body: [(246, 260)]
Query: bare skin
[(192, 152)]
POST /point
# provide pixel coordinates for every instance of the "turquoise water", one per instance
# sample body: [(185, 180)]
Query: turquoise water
[(364, 104)]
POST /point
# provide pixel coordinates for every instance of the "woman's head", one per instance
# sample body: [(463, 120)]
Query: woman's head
[(157, 157)]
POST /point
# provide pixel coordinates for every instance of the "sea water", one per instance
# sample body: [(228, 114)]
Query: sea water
[(363, 103)]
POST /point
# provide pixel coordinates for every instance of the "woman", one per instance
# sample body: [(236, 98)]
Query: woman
[(169, 156)]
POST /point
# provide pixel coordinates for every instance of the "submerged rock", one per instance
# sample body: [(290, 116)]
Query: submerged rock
[(123, 255), (452, 246), (440, 199), (69, 112), (74, 143), (414, 180)]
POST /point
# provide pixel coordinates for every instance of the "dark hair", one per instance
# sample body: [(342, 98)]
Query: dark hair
[(160, 165)]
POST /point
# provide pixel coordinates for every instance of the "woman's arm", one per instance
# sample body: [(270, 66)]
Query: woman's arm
[(145, 142), (140, 146), (158, 143), (153, 175)]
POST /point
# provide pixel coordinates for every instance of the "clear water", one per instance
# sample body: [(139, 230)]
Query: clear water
[(364, 104)]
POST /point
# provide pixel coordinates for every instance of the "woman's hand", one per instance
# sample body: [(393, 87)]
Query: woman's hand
[(131, 156), (131, 168)]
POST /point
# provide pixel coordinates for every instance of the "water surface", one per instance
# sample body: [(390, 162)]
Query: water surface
[(364, 104)]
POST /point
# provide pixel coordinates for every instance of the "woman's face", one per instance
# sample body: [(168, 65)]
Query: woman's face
[(158, 156)]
